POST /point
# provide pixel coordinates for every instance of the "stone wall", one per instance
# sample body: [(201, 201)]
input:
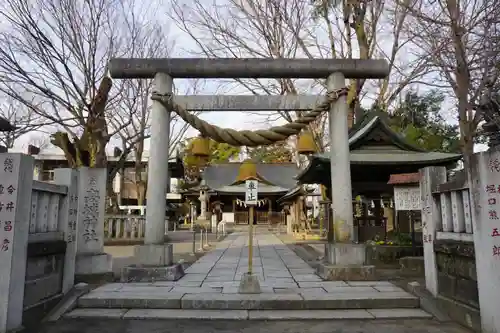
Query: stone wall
[(389, 255), (44, 277), (456, 268)]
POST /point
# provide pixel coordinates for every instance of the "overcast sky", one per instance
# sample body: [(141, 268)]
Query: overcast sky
[(235, 120)]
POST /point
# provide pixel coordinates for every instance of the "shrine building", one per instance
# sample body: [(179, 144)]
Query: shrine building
[(225, 185), (377, 152)]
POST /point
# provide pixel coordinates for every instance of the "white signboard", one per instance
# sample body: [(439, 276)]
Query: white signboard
[(251, 197), (407, 197)]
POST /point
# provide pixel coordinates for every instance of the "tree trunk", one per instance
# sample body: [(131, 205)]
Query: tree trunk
[(90, 149), (114, 208), (358, 12), (140, 187)]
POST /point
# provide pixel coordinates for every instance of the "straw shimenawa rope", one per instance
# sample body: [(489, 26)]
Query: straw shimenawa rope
[(250, 138)]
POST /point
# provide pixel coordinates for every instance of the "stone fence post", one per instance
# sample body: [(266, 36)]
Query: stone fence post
[(68, 226), (430, 177), (16, 183)]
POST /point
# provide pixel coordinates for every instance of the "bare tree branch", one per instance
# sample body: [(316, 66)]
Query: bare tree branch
[(296, 28), (461, 40), (22, 118)]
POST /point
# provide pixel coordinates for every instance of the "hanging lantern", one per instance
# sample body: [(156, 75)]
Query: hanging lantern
[(248, 170), (372, 204), (201, 147), (306, 144), (202, 161), (382, 203)]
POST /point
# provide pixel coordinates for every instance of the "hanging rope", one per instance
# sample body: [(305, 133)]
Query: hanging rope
[(246, 137)]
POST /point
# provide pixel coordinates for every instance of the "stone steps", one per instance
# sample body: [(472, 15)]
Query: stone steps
[(265, 301), (195, 314)]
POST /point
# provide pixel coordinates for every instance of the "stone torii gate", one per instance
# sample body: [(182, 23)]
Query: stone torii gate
[(154, 252)]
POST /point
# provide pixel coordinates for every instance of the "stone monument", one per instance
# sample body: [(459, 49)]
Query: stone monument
[(484, 177), (92, 263), (16, 181)]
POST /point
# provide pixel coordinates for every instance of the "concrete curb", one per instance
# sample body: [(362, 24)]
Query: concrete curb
[(274, 315), (427, 302), (67, 303)]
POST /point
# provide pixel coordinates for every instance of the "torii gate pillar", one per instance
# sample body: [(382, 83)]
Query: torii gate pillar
[(344, 260)]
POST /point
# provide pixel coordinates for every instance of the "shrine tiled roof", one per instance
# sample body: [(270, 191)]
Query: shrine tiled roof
[(372, 142)]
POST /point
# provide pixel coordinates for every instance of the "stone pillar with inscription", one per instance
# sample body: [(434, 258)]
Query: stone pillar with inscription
[(68, 212), (92, 264), (430, 177), (16, 183), (485, 197)]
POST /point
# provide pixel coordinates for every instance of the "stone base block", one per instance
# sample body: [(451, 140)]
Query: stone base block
[(93, 264), (154, 255), (203, 223), (412, 265), (152, 273), (330, 272), (153, 297), (197, 314), (249, 284), (345, 254)]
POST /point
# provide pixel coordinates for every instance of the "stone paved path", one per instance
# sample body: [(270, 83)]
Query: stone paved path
[(273, 262), (278, 268), (209, 291)]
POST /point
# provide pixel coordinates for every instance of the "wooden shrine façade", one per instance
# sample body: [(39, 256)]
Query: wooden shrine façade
[(376, 153)]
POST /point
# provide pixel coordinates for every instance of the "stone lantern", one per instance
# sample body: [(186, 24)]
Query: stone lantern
[(217, 210), (203, 201)]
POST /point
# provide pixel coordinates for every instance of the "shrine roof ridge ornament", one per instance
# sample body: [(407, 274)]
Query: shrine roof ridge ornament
[(251, 68)]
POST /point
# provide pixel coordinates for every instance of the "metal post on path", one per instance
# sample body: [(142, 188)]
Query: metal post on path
[(201, 240), (249, 283), (194, 241), (250, 238)]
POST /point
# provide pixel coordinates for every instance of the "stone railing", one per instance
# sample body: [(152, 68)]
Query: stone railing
[(46, 200), (455, 220), (124, 228), (449, 254)]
